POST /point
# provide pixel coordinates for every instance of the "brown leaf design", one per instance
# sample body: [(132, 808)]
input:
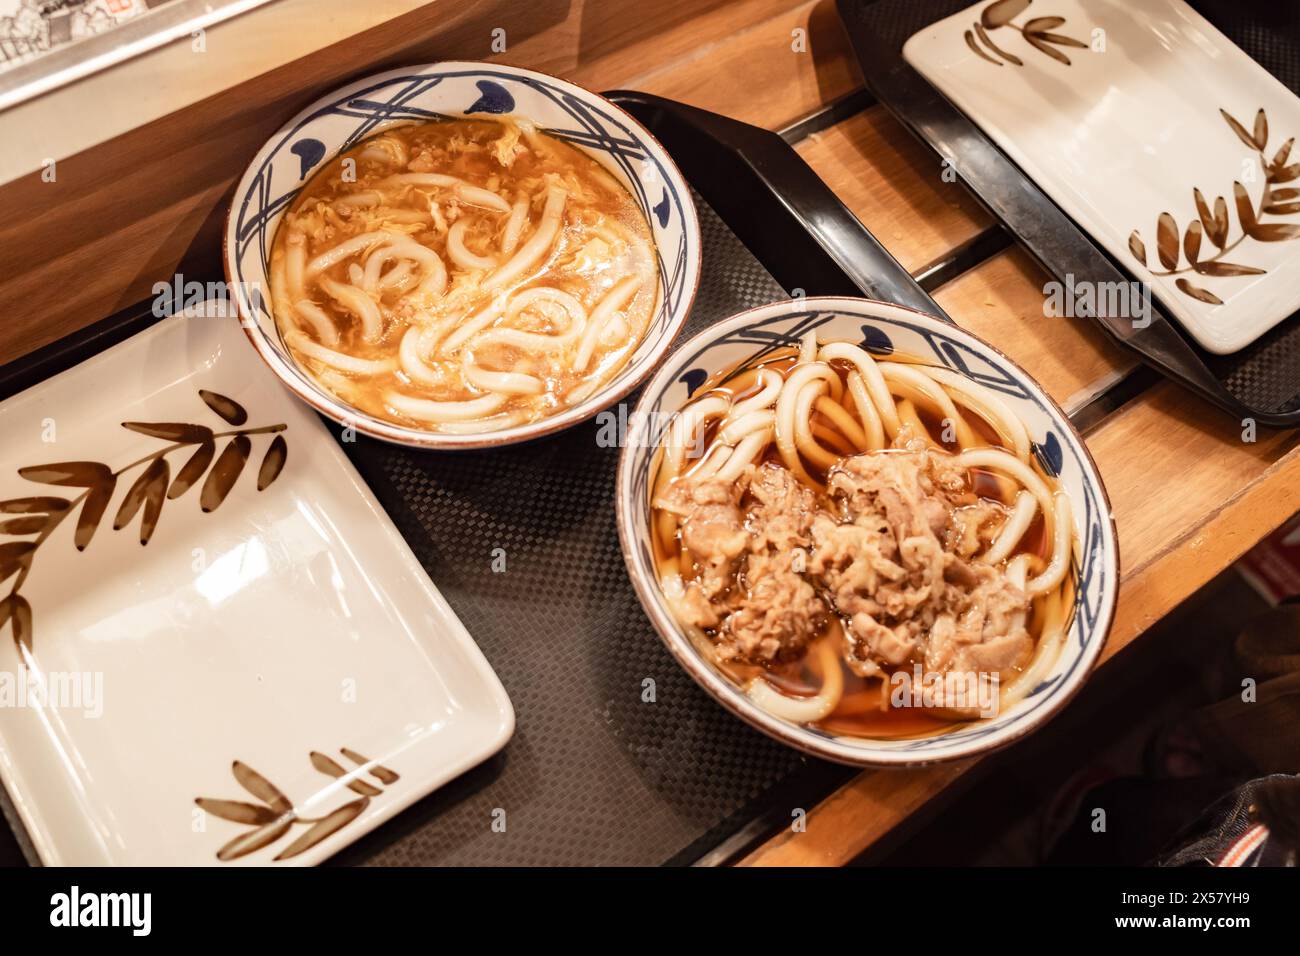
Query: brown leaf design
[(1260, 133), (172, 431), (1137, 247), (1237, 128), (237, 811), (74, 474), (1275, 231), (1196, 292), (154, 497), (139, 491), (225, 473), (331, 768), (1282, 208), (92, 512), (1002, 12), (1283, 153), (1245, 210), (1062, 40), (14, 556), (38, 505), (1221, 222), (378, 771), (324, 827), (193, 469), (1222, 269), (988, 42), (1192, 241), (20, 619), (260, 787), (227, 408), (1167, 240), (6, 609), (1282, 195), (1040, 24), (975, 48), (254, 840), (1041, 45), (272, 462), (1285, 174), (28, 524)]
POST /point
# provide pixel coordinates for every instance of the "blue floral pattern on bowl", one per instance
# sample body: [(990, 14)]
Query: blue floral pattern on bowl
[(748, 338), (446, 91)]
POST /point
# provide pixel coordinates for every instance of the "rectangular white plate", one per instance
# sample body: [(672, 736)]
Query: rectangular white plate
[(281, 636), (1127, 130)]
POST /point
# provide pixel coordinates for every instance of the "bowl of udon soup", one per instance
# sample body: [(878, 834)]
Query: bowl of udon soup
[(462, 254), (866, 532)]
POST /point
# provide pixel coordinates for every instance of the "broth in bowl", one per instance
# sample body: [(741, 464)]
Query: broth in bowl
[(463, 276), (865, 546)]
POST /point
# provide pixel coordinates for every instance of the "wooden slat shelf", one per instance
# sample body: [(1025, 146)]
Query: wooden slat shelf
[(1189, 494)]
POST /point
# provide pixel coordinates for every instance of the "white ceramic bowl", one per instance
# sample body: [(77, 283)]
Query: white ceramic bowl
[(880, 328), (335, 122)]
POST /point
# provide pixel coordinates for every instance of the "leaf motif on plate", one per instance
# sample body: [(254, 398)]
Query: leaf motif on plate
[(1039, 43), (1260, 133), (988, 42), (1043, 24), (254, 840), (41, 504), (1275, 231), (149, 486), (1196, 292), (92, 512), (378, 771), (25, 524), (1282, 208), (17, 613), (975, 48), (1137, 247), (236, 811), (1285, 174), (332, 768), (229, 409), (324, 827), (1002, 12), (1245, 210), (1242, 134), (260, 787), (1192, 241), (272, 462), (193, 469), (224, 474), (14, 557), (72, 474), (1062, 40), (172, 431), (1283, 153), (1221, 269), (1167, 241)]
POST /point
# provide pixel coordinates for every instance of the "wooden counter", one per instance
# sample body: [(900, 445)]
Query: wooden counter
[(1189, 494)]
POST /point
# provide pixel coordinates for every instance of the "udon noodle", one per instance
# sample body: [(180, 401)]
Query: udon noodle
[(830, 527), (463, 276)]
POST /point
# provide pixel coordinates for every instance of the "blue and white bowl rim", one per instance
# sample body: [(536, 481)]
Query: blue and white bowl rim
[(1097, 581), (605, 130)]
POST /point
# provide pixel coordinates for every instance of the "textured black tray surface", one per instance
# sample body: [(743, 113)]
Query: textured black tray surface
[(1265, 376), (594, 775)]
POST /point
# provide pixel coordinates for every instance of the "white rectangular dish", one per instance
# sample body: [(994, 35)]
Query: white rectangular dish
[(267, 678), (1153, 131)]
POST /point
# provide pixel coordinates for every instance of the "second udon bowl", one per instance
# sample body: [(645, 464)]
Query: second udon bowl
[(584, 120), (880, 329)]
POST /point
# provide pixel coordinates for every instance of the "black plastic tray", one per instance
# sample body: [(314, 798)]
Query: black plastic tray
[(1262, 381), (594, 774)]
